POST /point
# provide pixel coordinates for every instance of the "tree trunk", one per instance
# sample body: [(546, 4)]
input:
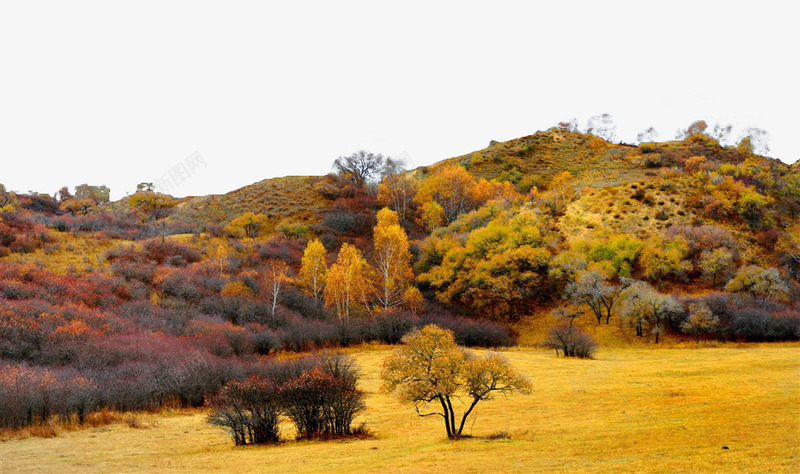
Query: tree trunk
[(446, 418), (452, 416), (466, 414)]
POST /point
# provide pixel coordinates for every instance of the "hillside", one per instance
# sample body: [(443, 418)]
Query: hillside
[(537, 158), (557, 239), (291, 198)]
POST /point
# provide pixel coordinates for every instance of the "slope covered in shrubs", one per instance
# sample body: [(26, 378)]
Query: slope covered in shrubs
[(115, 305)]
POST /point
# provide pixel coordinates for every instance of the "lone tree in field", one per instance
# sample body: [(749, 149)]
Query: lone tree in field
[(431, 369), (361, 167)]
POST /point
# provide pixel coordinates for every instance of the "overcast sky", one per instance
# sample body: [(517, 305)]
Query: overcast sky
[(228, 93)]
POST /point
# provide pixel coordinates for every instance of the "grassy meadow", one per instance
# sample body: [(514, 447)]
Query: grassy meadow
[(721, 409)]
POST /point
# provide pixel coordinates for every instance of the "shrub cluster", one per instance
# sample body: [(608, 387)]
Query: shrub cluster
[(319, 396), (571, 341), (765, 322)]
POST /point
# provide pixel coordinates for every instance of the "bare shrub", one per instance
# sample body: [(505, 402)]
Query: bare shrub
[(571, 341)]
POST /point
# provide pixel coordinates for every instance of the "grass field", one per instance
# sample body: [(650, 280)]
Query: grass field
[(634, 409)]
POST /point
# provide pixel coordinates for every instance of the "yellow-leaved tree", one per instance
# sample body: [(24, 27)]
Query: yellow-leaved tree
[(348, 282), (431, 370), (450, 187), (250, 223), (313, 269), (152, 205), (392, 260)]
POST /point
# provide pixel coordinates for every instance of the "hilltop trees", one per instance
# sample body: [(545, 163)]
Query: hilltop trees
[(430, 369), (602, 126), (151, 204), (98, 195), (361, 167), (86, 197)]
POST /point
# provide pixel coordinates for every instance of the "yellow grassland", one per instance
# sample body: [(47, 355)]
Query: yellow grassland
[(631, 409)]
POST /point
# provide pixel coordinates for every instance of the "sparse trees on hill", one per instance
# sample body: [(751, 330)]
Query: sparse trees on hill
[(602, 126), (559, 193), (361, 167), (152, 205), (432, 372)]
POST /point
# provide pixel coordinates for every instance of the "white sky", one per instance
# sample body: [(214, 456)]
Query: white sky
[(117, 93)]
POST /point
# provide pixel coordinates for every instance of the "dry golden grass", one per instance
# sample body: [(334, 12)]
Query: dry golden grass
[(68, 253), (615, 209), (632, 409), (591, 160), (290, 199)]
